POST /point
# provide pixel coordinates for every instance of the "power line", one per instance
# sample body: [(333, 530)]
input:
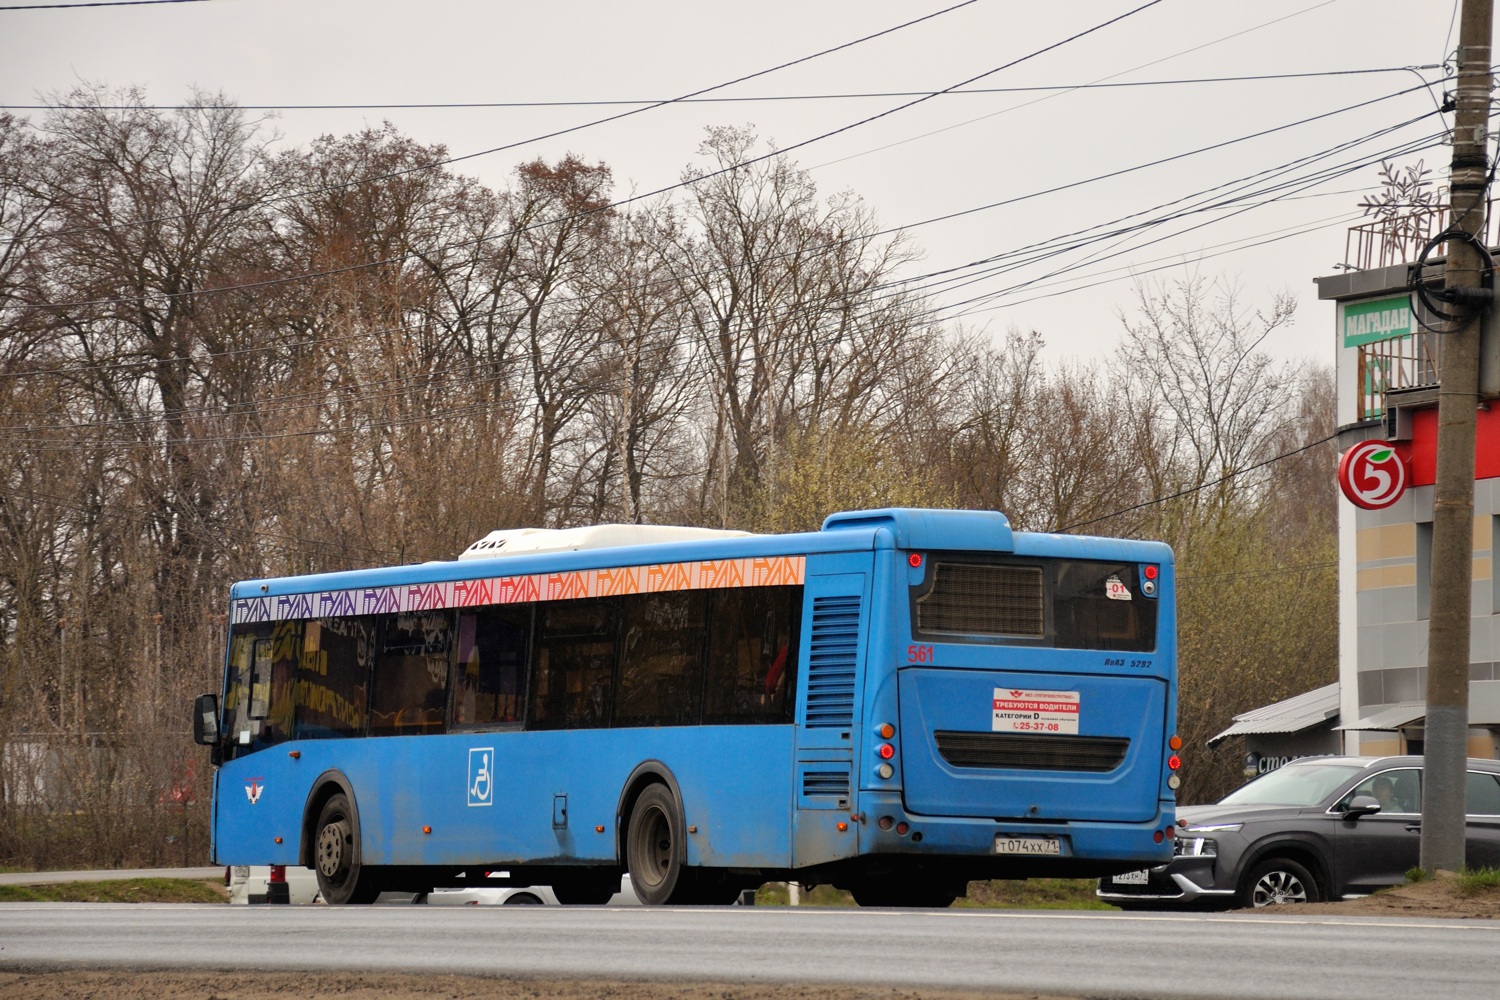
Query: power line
[(1202, 486), (1242, 203), (333, 397), (620, 203), (1059, 244), (1017, 107), (761, 98), (400, 258), (94, 3), (323, 395), (434, 164)]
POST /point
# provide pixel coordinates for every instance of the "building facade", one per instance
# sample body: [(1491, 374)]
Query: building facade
[(1388, 372)]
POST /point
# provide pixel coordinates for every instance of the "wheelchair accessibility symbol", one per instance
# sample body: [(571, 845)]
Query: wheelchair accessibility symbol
[(482, 776)]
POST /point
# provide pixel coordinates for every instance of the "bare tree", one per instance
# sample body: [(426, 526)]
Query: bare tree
[(1194, 355), (785, 297)]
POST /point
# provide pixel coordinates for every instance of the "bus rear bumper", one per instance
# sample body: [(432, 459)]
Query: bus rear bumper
[(1076, 848)]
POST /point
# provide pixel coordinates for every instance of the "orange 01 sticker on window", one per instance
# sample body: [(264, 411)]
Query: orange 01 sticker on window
[(1019, 711)]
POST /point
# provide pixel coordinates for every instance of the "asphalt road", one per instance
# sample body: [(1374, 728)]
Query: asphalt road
[(1155, 955)]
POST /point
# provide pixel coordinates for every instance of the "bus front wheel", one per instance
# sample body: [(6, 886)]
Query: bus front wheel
[(652, 845), (341, 878)]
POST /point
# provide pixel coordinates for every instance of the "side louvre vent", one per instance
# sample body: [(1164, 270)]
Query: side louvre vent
[(829, 780), (831, 662)]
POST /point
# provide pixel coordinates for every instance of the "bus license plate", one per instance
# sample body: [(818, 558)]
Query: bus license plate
[(1027, 845), (1133, 878)]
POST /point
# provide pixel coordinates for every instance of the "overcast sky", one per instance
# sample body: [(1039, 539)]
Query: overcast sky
[(954, 153)]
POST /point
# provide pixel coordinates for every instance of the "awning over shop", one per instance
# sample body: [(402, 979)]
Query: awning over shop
[(1390, 719), (1290, 716)]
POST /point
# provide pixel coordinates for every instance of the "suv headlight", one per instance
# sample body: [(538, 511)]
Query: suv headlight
[(1212, 828), (1195, 847)]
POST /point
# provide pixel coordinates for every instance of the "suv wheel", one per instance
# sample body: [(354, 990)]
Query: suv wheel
[(1278, 881)]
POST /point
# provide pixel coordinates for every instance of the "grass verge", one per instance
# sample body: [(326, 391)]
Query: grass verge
[(140, 890), (1035, 894), (1473, 881)]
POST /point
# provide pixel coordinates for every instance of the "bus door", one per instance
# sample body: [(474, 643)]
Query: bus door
[(836, 615)]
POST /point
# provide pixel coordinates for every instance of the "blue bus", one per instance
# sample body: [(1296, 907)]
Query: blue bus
[(896, 704)]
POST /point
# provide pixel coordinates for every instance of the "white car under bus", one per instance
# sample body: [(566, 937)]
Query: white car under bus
[(251, 884)]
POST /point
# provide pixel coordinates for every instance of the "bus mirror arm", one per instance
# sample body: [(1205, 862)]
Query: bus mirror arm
[(206, 720)]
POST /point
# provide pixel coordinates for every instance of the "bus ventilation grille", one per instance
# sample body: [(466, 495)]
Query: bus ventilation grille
[(831, 662), (1027, 752), (974, 599), (834, 781)]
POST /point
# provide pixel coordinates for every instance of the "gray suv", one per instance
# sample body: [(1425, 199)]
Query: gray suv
[(1318, 828)]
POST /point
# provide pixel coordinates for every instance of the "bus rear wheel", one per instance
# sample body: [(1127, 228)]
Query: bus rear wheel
[(652, 845), (341, 878)]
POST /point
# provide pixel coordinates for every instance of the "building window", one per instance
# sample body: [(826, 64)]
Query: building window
[(1424, 570), (1494, 564)]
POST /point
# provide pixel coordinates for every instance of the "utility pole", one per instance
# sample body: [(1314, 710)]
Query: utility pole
[(1447, 736)]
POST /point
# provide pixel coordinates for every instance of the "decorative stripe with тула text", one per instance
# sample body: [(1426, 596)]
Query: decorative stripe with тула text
[(710, 574)]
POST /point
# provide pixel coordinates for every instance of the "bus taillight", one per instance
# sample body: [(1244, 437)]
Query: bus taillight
[(1174, 762), (885, 750)]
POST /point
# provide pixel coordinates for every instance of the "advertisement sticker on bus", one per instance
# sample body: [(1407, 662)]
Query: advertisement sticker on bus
[(1035, 711)]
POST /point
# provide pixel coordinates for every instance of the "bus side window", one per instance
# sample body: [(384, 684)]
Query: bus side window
[(661, 665), (258, 703), (491, 667), (573, 665), (260, 679), (752, 655), (410, 684), (333, 677), (235, 721)]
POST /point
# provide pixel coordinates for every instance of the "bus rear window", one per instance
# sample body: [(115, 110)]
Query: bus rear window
[(1099, 605), (1065, 603)]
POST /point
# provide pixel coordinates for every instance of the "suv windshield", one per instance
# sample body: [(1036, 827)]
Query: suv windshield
[(1293, 785)]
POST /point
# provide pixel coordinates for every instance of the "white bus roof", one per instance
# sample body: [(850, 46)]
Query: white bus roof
[(519, 541)]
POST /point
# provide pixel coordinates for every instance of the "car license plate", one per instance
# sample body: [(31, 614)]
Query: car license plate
[(1133, 878), (1027, 845)]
